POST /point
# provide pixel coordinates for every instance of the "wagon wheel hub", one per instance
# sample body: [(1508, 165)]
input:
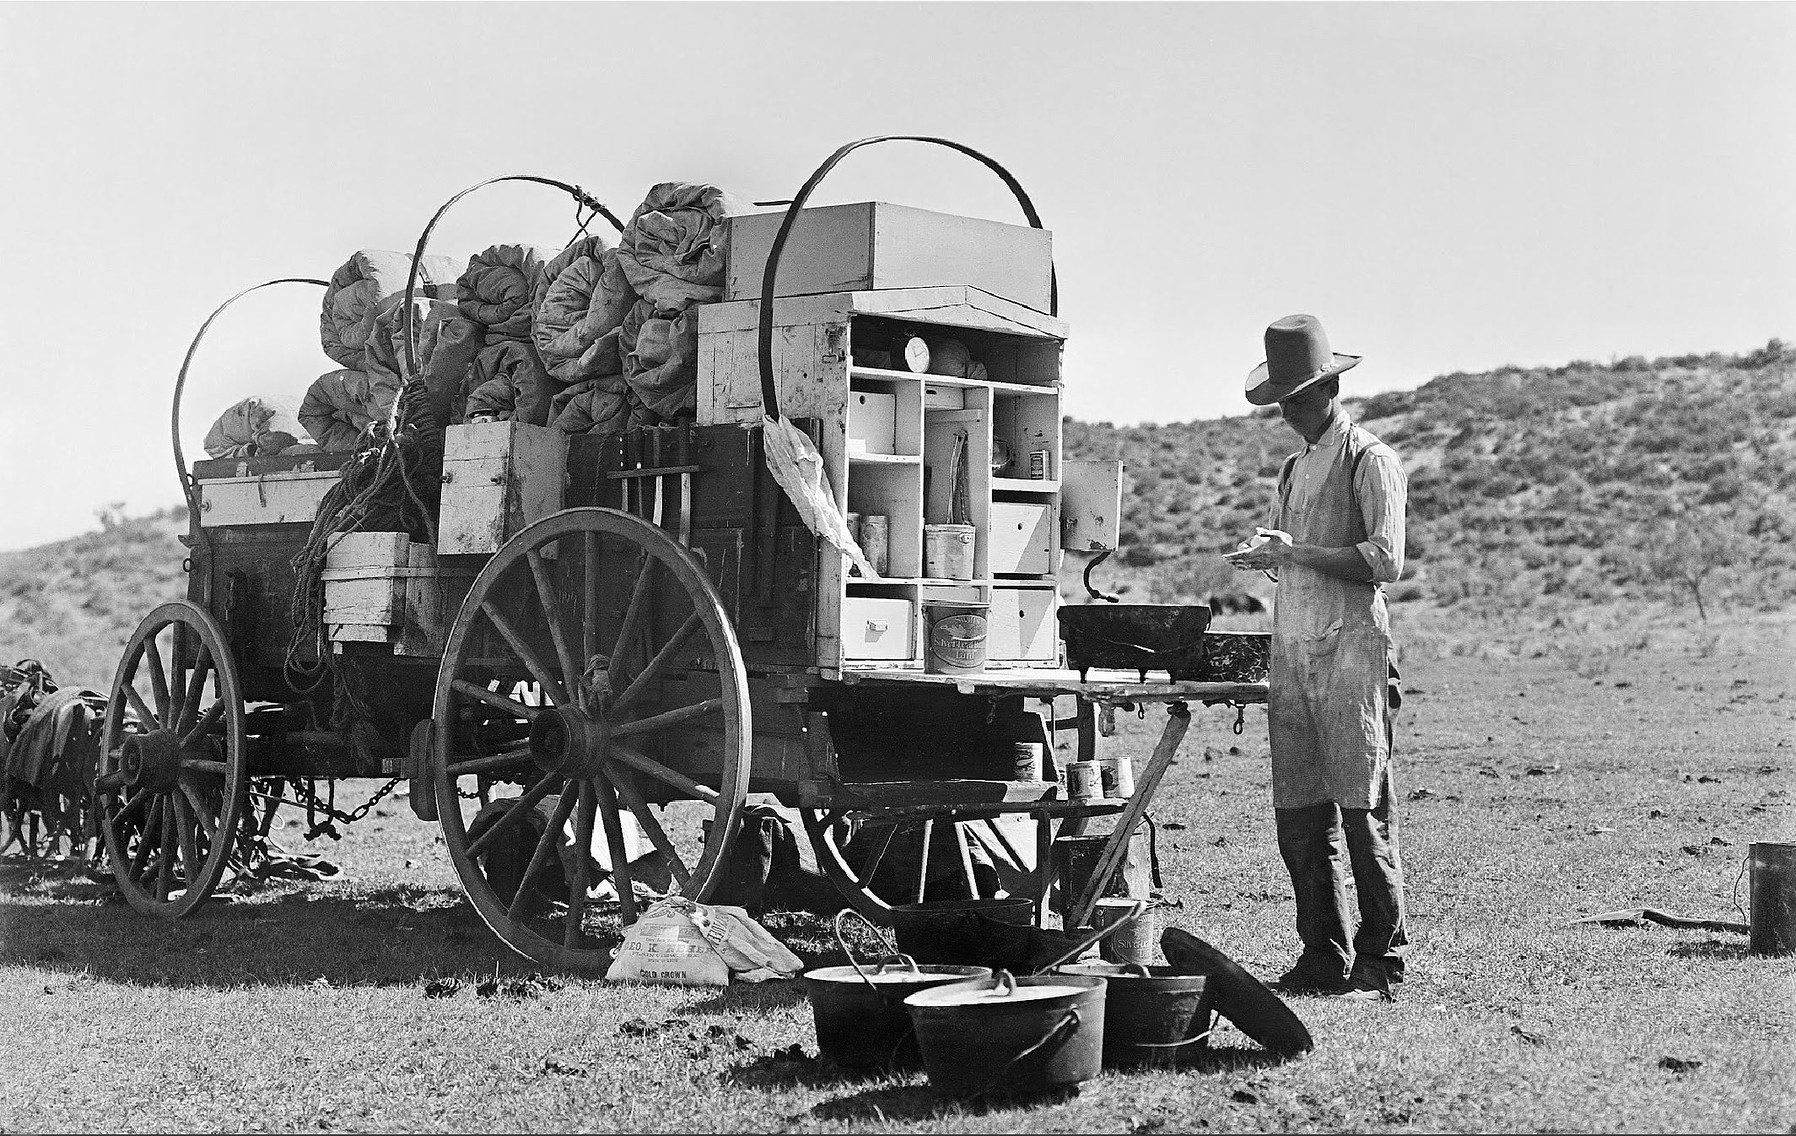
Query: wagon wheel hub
[(151, 761), (569, 742)]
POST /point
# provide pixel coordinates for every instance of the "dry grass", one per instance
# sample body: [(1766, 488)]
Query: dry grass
[(302, 1007)]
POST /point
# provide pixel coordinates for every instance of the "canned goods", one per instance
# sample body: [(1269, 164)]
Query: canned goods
[(1131, 944), (1118, 775), (1084, 781), (1028, 761), (1038, 465)]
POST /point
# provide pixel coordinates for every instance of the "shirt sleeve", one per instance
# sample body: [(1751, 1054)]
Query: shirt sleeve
[(1383, 492)]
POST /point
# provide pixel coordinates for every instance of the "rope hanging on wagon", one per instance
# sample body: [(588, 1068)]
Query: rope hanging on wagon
[(769, 388)]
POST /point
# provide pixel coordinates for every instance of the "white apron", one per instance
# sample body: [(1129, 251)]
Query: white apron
[(1331, 643)]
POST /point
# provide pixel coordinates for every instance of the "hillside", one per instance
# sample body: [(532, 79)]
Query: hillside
[(1530, 490), (1581, 483)]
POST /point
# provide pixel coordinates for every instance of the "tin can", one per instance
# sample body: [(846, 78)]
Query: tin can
[(1131, 944), (875, 541), (1038, 465), (1118, 775), (1028, 761), (1084, 781)]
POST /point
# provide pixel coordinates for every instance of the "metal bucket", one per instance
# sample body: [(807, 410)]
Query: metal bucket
[(992, 933), (1076, 857), (1004, 1036), (1772, 919), (1152, 1015), (859, 1010), (1138, 942)]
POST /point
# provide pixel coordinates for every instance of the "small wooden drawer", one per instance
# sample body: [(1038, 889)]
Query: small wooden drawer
[(874, 627), (1020, 538)]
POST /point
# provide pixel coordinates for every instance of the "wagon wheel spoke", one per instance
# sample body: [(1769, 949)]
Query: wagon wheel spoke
[(662, 773), (614, 843), (545, 595), (190, 849), (539, 670), (512, 815), (196, 687), (204, 765), (545, 848), (137, 799), (576, 908), (877, 854), (151, 823), (201, 811), (158, 680), (204, 724), (658, 664), (137, 704), (165, 858), (465, 766), (625, 784), (679, 715), (589, 591), (494, 699), (633, 615)]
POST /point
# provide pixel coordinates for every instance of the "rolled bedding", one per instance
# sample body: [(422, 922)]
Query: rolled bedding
[(507, 382), (498, 289), (339, 406), (357, 288), (661, 360), (604, 405), (580, 309), (672, 251), (253, 427), (383, 355)]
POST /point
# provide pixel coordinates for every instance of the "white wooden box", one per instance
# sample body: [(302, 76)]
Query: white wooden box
[(1019, 538), (873, 244), (872, 422), (1020, 625), (874, 627), (270, 499), (497, 478)]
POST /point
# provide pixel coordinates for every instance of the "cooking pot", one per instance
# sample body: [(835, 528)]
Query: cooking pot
[(859, 1009), (1152, 1015), (991, 933), (1005, 1036)]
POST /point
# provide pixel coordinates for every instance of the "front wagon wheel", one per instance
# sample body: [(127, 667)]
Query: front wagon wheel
[(591, 684), (172, 775)]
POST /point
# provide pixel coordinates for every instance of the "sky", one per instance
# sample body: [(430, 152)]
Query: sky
[(1450, 187)]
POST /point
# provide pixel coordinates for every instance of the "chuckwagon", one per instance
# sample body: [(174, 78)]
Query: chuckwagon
[(601, 645)]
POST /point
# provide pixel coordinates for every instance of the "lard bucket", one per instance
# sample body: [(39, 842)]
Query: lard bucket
[(948, 552), (1005, 1036), (956, 634), (1152, 1015), (1771, 921)]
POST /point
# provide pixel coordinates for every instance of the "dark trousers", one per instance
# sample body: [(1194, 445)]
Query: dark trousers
[(1312, 841)]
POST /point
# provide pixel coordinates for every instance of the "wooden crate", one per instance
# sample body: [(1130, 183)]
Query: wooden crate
[(875, 245), (497, 478)]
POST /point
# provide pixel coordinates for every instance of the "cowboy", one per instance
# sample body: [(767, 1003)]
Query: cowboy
[(1333, 540)]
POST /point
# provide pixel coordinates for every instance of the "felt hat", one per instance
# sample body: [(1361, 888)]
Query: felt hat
[(1297, 356)]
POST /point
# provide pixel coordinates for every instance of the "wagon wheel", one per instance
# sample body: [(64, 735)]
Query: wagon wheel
[(593, 667), (886, 866), (172, 774)]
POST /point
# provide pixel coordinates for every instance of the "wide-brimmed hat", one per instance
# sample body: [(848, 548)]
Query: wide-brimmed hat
[(1297, 356)]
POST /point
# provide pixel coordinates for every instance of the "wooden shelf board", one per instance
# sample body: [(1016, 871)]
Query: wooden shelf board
[(950, 380), (1024, 485), (885, 459)]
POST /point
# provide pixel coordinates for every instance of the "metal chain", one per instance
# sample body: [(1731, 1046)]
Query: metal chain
[(324, 827)]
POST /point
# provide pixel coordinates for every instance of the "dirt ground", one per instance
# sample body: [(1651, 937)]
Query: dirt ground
[(1544, 775)]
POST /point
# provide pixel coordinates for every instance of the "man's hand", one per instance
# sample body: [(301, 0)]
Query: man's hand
[(1270, 549)]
